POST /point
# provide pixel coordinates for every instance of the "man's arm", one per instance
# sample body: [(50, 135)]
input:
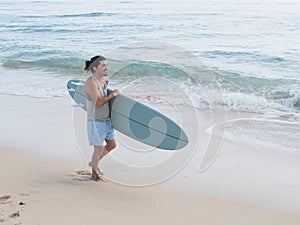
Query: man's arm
[(92, 92)]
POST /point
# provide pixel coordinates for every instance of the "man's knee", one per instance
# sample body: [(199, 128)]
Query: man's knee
[(111, 145), (114, 145)]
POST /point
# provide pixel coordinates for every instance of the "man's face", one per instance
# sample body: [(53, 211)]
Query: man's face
[(101, 69)]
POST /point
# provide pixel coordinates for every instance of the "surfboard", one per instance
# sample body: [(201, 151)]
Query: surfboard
[(137, 120)]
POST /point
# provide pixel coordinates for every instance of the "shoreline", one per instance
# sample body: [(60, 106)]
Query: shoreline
[(44, 170)]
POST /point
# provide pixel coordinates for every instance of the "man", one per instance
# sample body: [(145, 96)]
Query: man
[(99, 125)]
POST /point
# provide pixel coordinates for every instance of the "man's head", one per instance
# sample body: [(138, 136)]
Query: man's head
[(97, 65)]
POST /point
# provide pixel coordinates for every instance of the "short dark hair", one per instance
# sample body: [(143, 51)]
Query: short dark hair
[(93, 62)]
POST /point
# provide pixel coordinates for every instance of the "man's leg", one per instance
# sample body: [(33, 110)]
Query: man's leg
[(98, 152), (110, 145)]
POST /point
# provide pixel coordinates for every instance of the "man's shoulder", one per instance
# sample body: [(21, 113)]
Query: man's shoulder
[(90, 81)]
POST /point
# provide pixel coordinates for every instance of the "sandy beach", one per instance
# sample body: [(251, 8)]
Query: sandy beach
[(226, 71), (45, 180)]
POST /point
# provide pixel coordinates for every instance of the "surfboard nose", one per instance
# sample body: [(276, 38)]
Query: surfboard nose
[(183, 141), (171, 142)]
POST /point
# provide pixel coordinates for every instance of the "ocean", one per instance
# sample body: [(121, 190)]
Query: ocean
[(248, 52)]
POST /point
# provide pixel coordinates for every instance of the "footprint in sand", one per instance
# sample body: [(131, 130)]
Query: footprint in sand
[(83, 173), (80, 176), (14, 215), (4, 198), (10, 203), (10, 216)]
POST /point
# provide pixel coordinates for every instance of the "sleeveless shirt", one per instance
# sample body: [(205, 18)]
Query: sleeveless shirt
[(98, 113)]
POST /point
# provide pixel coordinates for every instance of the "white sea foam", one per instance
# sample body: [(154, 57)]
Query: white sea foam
[(260, 133)]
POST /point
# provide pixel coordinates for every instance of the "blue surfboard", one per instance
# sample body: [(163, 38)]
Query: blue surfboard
[(137, 120)]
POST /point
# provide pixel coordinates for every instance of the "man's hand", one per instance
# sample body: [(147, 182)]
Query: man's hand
[(115, 93)]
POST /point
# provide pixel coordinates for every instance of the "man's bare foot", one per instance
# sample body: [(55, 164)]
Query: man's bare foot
[(96, 168), (95, 176)]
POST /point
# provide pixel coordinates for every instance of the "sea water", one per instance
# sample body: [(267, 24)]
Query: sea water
[(250, 48)]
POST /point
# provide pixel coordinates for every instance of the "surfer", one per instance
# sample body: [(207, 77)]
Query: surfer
[(99, 127)]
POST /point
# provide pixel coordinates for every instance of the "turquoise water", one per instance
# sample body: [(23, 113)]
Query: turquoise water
[(252, 48)]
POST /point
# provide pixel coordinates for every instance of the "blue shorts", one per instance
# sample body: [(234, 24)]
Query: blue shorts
[(99, 131)]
